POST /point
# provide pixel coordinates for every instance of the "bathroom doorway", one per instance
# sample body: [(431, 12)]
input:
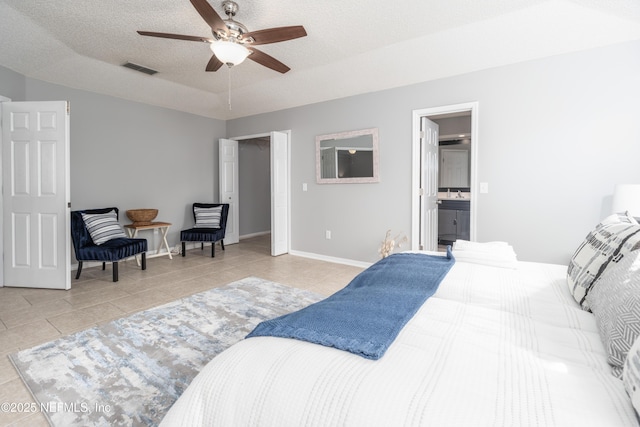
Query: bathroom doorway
[(423, 236)]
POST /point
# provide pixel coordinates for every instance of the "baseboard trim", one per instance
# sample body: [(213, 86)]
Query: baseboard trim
[(190, 245), (336, 260)]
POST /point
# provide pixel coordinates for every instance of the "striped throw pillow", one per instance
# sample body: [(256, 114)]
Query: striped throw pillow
[(616, 234), (103, 227), (208, 217)]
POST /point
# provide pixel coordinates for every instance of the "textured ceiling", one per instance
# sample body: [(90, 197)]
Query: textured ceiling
[(352, 47)]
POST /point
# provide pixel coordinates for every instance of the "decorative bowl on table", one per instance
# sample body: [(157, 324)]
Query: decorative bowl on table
[(142, 216)]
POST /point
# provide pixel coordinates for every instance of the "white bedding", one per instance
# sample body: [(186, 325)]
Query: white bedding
[(492, 347)]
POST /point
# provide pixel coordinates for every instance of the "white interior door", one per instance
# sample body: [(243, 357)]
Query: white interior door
[(279, 193), (429, 185), (36, 201), (228, 178)]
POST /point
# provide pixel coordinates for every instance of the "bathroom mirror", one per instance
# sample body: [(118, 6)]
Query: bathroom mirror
[(454, 170), (347, 157)]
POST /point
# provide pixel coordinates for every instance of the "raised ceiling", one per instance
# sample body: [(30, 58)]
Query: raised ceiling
[(352, 47)]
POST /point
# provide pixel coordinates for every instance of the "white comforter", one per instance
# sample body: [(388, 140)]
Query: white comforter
[(493, 347)]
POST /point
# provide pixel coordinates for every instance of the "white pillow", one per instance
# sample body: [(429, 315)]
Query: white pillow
[(208, 217), (103, 227)]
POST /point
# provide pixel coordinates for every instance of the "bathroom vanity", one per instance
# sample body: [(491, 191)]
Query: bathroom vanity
[(454, 220)]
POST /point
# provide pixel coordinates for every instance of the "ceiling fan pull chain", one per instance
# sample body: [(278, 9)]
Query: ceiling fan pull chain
[(229, 74)]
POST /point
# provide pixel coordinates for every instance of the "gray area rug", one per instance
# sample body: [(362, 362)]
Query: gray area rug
[(130, 371)]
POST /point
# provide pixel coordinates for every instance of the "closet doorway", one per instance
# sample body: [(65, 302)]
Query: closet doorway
[(254, 180), (423, 232)]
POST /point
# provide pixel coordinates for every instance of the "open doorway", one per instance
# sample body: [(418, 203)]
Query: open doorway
[(425, 228), (266, 182), (453, 177)]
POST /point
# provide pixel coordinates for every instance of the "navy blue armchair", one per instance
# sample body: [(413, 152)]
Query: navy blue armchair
[(211, 224), (112, 250)]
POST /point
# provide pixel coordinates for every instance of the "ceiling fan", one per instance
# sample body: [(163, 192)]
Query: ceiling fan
[(232, 42)]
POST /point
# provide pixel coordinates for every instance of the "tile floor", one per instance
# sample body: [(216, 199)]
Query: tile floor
[(33, 316)]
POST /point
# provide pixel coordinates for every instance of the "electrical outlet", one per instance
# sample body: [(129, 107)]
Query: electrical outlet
[(327, 234)]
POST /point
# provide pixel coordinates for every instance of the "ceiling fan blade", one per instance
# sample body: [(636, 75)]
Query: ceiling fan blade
[(267, 60), (214, 64), (176, 36), (210, 16), (275, 35)]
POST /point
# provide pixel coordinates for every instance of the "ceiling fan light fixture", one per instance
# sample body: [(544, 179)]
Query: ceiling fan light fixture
[(229, 53), (231, 38)]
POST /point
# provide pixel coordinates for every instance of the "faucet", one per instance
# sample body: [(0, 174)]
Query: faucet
[(459, 196)]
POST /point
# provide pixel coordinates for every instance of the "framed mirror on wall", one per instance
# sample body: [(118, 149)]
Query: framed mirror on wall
[(454, 171), (347, 157)]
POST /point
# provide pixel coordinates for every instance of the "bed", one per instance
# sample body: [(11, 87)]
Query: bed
[(497, 344)]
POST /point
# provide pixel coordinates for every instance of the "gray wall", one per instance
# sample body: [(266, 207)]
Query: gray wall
[(132, 155), (12, 84), (554, 137), (453, 125)]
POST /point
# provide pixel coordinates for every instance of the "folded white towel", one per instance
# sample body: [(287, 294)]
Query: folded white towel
[(486, 259)]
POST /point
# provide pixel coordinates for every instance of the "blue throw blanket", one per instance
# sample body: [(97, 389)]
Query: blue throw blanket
[(365, 317)]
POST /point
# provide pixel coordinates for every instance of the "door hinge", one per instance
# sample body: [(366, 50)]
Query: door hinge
[(68, 108), (421, 192), (422, 134)]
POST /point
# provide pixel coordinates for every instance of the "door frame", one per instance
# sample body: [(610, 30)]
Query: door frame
[(2, 99), (472, 107), (288, 167)]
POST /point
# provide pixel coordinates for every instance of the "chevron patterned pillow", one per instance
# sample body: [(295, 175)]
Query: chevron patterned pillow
[(615, 301)]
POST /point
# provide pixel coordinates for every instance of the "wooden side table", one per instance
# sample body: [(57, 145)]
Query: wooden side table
[(132, 230)]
